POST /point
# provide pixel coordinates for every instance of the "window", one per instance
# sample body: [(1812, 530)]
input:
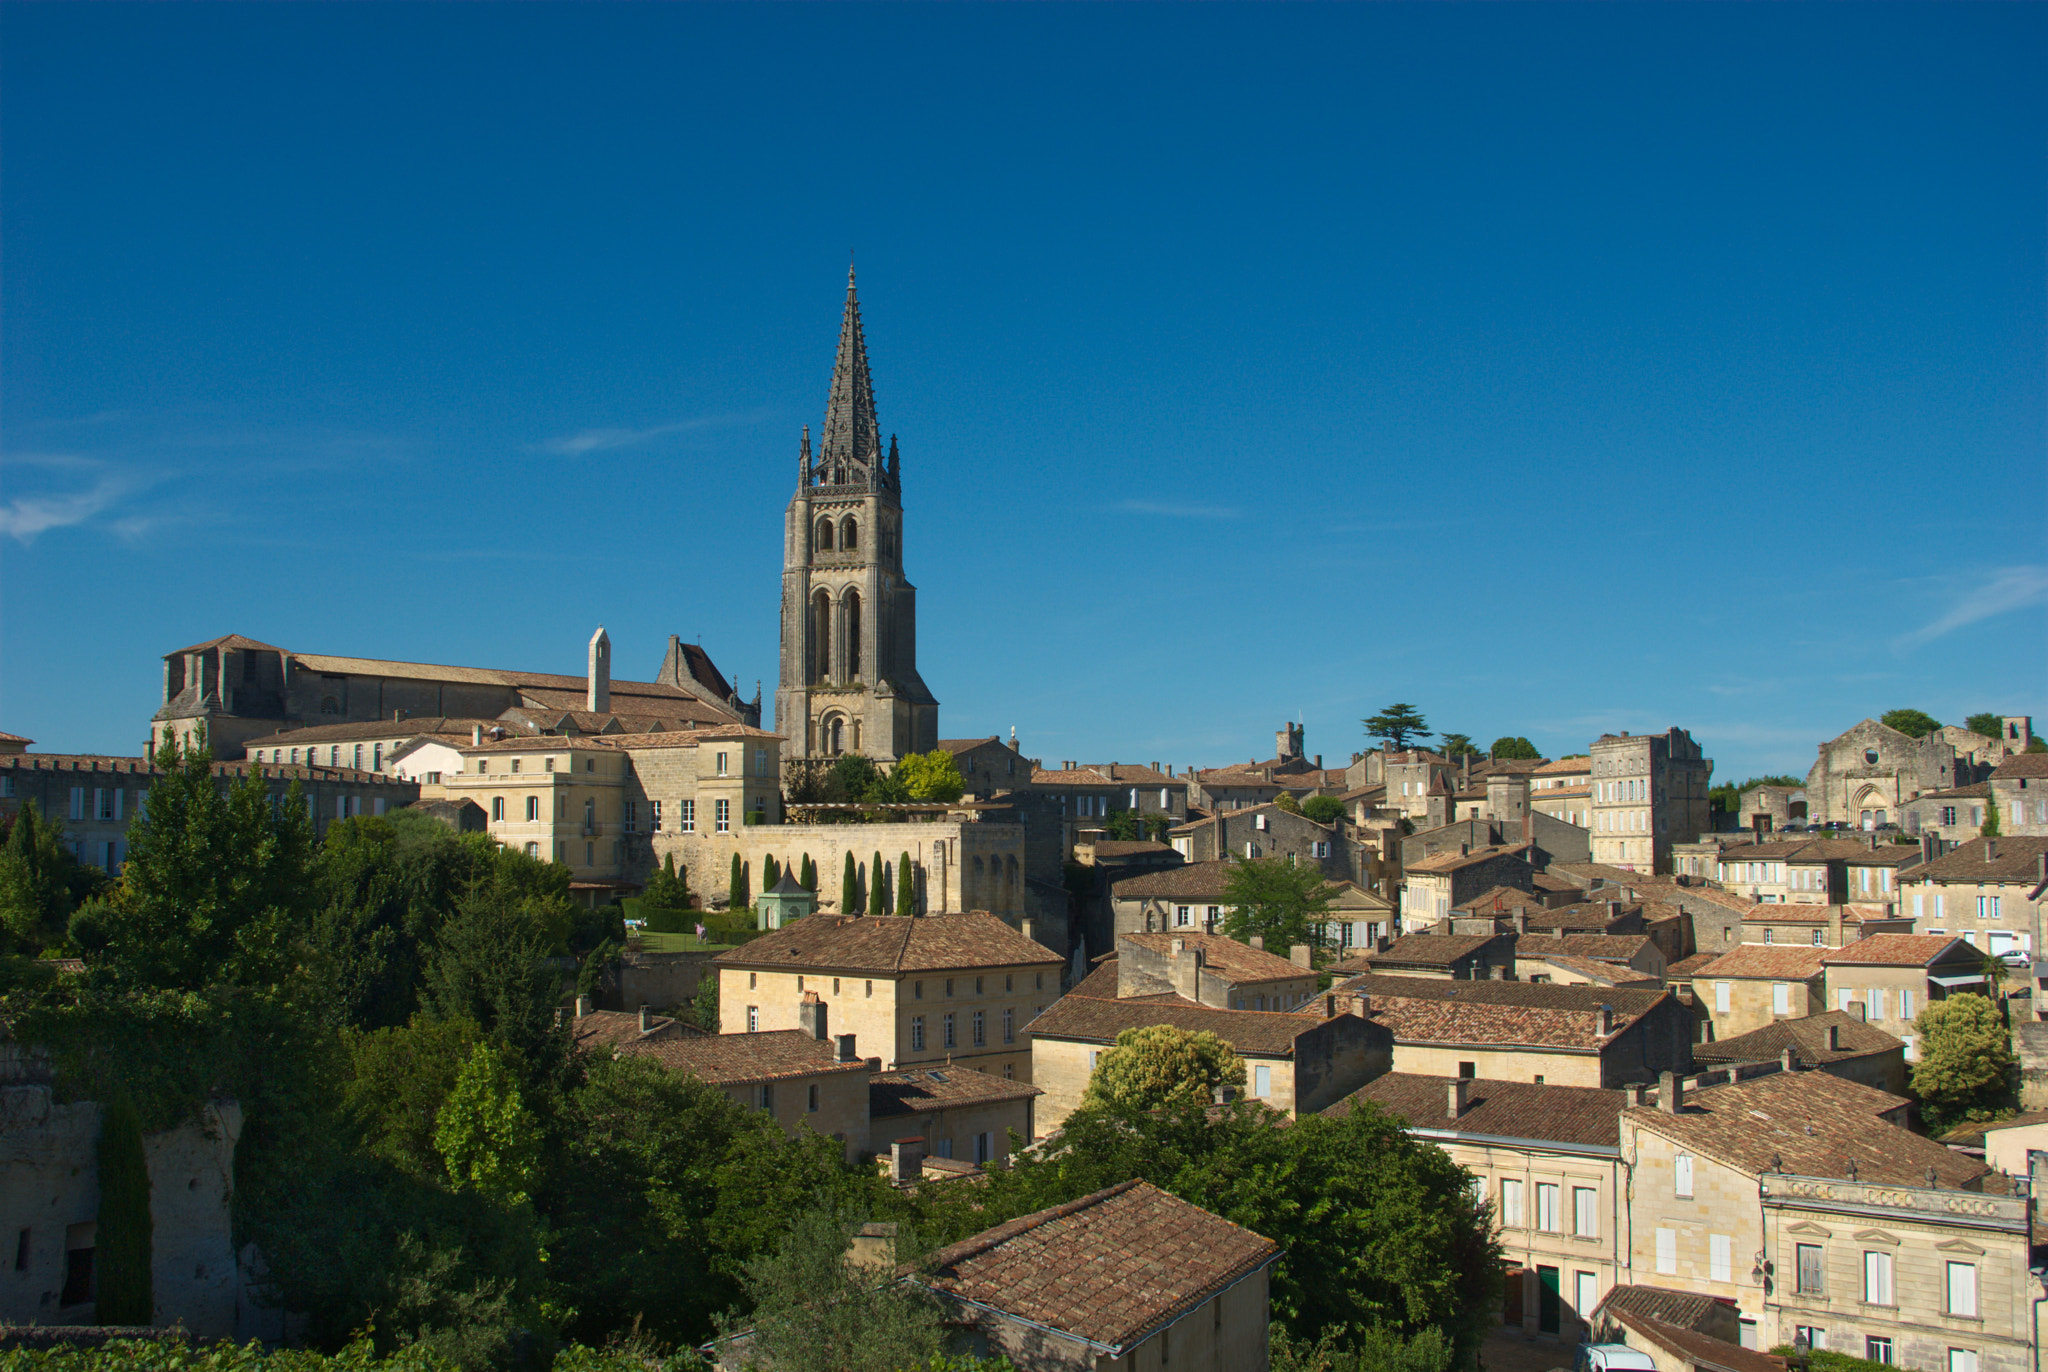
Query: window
[(753, 1019), (1768, 933), (1815, 1336), (1546, 1207), (1586, 1217), (629, 816), (1667, 1252), (871, 989), (533, 850), (78, 802), (1720, 1258), (1987, 907), (1962, 1289), (1721, 991), (532, 808), (753, 980), (722, 768), (949, 987), (1262, 1081), (811, 1099), (1812, 1272), (547, 764), (1781, 998), (1962, 1360), (654, 816), (765, 1097), (917, 1033), (917, 990), (1585, 1294), (1319, 849), (1511, 1202), (515, 764), (1182, 915), (1009, 1026), (1877, 999), (686, 816), (1877, 1280), (979, 1030), (950, 1040), (1876, 1349), (721, 816), (497, 809), (1681, 1176), (1906, 1006), (760, 762)]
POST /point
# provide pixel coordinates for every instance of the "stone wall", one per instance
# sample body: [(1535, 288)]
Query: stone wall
[(943, 857)]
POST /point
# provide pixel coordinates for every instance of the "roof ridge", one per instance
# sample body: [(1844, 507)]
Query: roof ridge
[(978, 1244)]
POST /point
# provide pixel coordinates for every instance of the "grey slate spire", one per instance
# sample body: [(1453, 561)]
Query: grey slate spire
[(852, 441)]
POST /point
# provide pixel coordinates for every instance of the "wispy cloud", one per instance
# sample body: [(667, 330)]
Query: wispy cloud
[(2009, 588), (23, 518), (1172, 511), (603, 440)]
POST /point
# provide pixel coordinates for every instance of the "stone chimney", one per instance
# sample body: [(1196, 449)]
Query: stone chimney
[(1606, 1020), (873, 1247), (1670, 1093), (1361, 1004), (846, 1051), (1259, 942), (810, 1016), (1632, 1094), (1187, 970), (599, 698), (1834, 1039), (1785, 1058), (1298, 955), (1460, 1097), (1329, 1005), (1025, 926), (1521, 919), (906, 1160), (476, 734), (582, 1006), (646, 1019), (1991, 850)]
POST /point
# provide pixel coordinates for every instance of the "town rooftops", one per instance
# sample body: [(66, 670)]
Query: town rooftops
[(1771, 961), (1265, 1033), (1559, 942), (920, 1090), (1117, 847), (1131, 774), (1688, 967), (1109, 1268), (744, 1059), (1077, 776), (1239, 963), (1100, 983), (1890, 950), (1810, 1124), (2021, 765), (1807, 1037), (1194, 881), (598, 1029), (1597, 972), (1700, 1351), (1568, 765), (892, 943), (1988, 860), (1502, 1109), (1820, 914), (1503, 1014), (1686, 1309), (1503, 900), (371, 728), (1428, 950), (1451, 862)]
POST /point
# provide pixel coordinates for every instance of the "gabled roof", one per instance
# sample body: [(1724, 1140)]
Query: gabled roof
[(2016, 860), (1598, 973), (917, 1090), (1233, 961), (891, 943), (1428, 950), (956, 746), (1502, 1109), (1892, 950), (1451, 862), (1109, 1268), (1190, 881), (1807, 1037), (1773, 961), (1504, 1014), (743, 1059), (2021, 765), (1079, 776), (228, 641), (1266, 1033), (1701, 1351), (1100, 983), (1686, 1309), (409, 727)]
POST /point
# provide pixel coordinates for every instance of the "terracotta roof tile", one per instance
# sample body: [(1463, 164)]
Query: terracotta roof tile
[(1806, 1036), (1505, 1013), (369, 729), (891, 943), (1890, 950), (615, 1028), (1703, 1352), (1265, 1033), (1688, 967), (1777, 961), (1451, 862), (2022, 765), (1686, 1309), (739, 1059), (1079, 776), (1236, 962), (1109, 1268), (1194, 881), (1998, 859), (1099, 984), (1504, 1109), (1599, 973), (1427, 950), (916, 1090)]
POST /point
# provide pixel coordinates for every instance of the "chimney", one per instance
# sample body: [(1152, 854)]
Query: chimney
[(906, 1160), (476, 734), (599, 698), (1991, 850), (1259, 942), (1329, 1005), (582, 1006), (1025, 927), (1785, 1058), (1298, 955), (646, 1019), (1361, 1004), (1186, 970), (1521, 919), (874, 1246), (810, 1015), (1858, 1009), (1500, 971), (1670, 1093), (1606, 1020), (1632, 1093), (1459, 1097), (1834, 1039), (846, 1053)]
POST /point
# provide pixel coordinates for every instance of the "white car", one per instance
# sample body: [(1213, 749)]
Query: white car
[(1612, 1357)]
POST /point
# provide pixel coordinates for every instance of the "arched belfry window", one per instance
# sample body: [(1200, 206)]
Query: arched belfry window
[(849, 533), (821, 636), (823, 541), (852, 635), (835, 735)]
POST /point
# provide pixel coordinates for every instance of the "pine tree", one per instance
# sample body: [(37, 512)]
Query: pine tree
[(904, 887), (878, 886), (809, 879), (849, 889), (125, 1230)]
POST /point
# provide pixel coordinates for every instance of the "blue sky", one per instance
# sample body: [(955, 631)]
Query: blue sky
[(1555, 369)]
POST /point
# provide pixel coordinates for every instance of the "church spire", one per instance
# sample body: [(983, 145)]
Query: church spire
[(852, 440)]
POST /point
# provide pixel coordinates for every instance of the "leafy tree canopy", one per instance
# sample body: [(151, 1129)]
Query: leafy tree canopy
[(1966, 1070), (41, 884), (1280, 901), (1459, 745), (1987, 724), (1288, 803), (1912, 723), (1160, 1066), (1515, 747), (1323, 809), (485, 1134), (931, 776), (1396, 725)]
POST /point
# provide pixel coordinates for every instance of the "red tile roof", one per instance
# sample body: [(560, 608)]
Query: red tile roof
[(1501, 1013), (1503, 1109), (1109, 1268), (1807, 1037), (742, 1059), (1994, 859), (1776, 961), (1235, 962), (1264, 1033), (890, 943), (1890, 950), (918, 1090)]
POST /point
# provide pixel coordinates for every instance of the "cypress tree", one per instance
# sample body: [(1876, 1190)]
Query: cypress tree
[(770, 873), (905, 888), (849, 889), (124, 1235), (878, 886), (809, 879), (737, 894)]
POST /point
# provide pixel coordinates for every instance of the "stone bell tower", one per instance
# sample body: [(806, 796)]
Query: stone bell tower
[(849, 681)]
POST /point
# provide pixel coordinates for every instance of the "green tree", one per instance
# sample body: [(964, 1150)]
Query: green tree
[(1377, 1349), (1156, 827), (40, 883), (906, 888), (738, 894), (1161, 1067), (398, 1079), (1285, 801), (931, 776), (1281, 902), (704, 1005), (1989, 829), (1515, 747), (485, 1135), (494, 968), (809, 878), (1459, 745), (878, 886), (1912, 723), (1323, 809), (771, 873), (816, 1310), (1396, 725), (668, 886), (1987, 724), (1966, 1068), (850, 901), (2037, 745), (125, 1229)]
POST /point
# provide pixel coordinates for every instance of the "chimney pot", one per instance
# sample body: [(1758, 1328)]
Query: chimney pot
[(1299, 955), (1459, 1096), (1633, 1093), (811, 1016), (1361, 1004), (906, 1160), (1606, 1020)]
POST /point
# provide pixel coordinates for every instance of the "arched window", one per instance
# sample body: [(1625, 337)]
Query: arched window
[(823, 542), (856, 736), (821, 636), (849, 533), (835, 735), (852, 635)]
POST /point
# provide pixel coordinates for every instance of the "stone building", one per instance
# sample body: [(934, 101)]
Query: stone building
[(1886, 980), (849, 681), (1432, 886), (1949, 817), (949, 1112), (801, 1078), (1754, 984), (1267, 831), (95, 798), (1833, 1041), (989, 766), (1649, 792), (1409, 776), (1989, 892), (1819, 871), (1213, 970), (2020, 786), (1564, 790), (933, 989), (239, 690), (1865, 774)]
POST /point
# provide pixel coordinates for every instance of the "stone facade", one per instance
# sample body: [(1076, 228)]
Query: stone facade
[(1649, 792), (2020, 787), (1864, 775), (1988, 892), (849, 681), (1267, 831)]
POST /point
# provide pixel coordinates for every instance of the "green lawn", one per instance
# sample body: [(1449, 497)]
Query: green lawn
[(681, 943)]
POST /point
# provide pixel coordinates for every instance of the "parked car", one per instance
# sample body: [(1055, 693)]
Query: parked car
[(1612, 1357)]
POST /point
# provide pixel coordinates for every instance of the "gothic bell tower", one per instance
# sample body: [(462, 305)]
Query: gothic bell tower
[(849, 681)]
